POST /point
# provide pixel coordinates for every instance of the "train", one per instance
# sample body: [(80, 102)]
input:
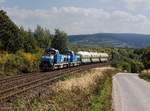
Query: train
[(53, 59)]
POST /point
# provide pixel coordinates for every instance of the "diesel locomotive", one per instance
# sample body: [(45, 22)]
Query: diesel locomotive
[(53, 59)]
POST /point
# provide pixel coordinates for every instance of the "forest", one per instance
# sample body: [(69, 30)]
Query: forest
[(21, 49)]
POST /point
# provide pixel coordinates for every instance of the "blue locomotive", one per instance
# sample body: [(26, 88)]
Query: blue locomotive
[(52, 59)]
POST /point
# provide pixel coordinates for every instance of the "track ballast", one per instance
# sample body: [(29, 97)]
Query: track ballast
[(12, 86)]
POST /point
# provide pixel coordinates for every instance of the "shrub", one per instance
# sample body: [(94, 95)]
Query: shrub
[(29, 62), (136, 66), (21, 62), (124, 66), (145, 75)]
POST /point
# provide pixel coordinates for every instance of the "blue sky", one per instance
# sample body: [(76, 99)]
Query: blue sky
[(43, 4), (81, 16)]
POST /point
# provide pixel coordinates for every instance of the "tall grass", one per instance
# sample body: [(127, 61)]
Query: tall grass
[(77, 94), (34, 104)]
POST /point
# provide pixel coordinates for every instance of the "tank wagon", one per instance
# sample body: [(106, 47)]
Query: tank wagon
[(93, 57), (52, 59)]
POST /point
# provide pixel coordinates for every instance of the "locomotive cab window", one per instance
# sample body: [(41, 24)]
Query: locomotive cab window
[(50, 52)]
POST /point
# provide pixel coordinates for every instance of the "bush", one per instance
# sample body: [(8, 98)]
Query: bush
[(136, 66), (21, 62), (124, 66), (29, 62), (145, 75), (146, 57), (12, 64)]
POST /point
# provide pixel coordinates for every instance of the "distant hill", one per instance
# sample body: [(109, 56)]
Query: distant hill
[(112, 40)]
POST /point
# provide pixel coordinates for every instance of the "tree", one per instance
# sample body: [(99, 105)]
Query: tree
[(60, 41), (116, 57), (29, 43), (124, 66), (43, 37), (9, 34), (146, 57), (136, 66)]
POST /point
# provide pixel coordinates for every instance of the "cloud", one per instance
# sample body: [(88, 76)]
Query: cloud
[(76, 20), (2, 1), (135, 4), (130, 5)]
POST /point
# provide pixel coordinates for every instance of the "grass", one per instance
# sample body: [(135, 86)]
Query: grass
[(103, 100), (145, 75), (82, 93), (86, 91), (34, 104)]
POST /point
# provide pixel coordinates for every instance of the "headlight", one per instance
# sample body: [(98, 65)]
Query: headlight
[(51, 57)]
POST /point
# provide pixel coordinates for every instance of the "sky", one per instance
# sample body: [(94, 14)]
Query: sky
[(81, 16)]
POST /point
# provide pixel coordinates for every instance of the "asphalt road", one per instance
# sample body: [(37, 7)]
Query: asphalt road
[(130, 93)]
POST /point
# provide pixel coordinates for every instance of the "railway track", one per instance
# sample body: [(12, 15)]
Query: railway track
[(23, 79), (13, 86)]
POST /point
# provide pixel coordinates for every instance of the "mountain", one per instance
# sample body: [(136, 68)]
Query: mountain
[(112, 40)]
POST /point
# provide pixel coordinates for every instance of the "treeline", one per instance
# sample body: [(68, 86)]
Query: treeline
[(131, 60), (21, 50), (126, 59), (14, 38)]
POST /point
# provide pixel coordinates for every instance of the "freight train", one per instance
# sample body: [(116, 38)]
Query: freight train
[(53, 59)]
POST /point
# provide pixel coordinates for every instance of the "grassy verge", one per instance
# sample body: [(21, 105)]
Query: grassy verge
[(145, 75), (34, 104), (103, 100), (90, 92), (86, 91)]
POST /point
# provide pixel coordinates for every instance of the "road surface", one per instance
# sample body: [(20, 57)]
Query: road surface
[(130, 93)]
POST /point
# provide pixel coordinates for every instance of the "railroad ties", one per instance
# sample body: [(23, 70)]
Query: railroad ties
[(12, 86)]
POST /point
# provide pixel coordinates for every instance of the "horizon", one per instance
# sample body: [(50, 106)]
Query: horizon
[(81, 17), (111, 33)]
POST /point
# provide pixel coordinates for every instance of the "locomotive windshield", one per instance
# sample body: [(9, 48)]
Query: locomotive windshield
[(50, 52)]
